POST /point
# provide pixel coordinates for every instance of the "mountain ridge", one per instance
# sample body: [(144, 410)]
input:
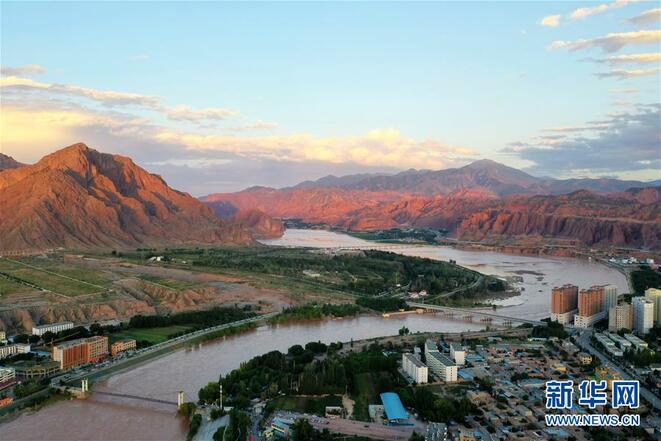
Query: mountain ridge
[(78, 197)]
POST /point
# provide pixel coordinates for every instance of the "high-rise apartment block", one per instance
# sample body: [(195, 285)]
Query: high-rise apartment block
[(643, 314), (564, 303), (590, 307)]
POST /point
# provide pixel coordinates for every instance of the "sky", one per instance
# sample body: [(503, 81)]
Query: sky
[(218, 97)]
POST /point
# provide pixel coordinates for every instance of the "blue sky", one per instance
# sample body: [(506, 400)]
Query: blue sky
[(228, 95)]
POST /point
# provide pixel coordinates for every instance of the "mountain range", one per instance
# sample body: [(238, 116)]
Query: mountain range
[(483, 200), (78, 197)]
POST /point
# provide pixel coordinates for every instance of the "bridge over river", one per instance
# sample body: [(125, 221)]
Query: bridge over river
[(469, 312)]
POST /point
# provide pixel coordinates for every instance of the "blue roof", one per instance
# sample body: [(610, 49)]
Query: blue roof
[(393, 406)]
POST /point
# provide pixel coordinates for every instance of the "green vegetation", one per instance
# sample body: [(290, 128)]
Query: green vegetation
[(645, 277), (435, 408), (194, 426), (198, 319), (552, 329), (9, 286), (150, 336), (396, 235), (62, 279), (314, 311), (238, 427), (642, 358), (27, 388), (311, 405), (308, 382), (383, 304), (361, 273)]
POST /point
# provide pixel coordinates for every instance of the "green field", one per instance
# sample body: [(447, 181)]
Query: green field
[(8, 287), (152, 335), (56, 277), (314, 405)]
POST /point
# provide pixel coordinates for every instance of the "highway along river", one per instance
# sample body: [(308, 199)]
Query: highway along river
[(112, 418)]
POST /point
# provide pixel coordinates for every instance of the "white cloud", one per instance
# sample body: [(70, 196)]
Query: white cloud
[(650, 16), (611, 42), (185, 113), (192, 162), (632, 59), (624, 90), (582, 13), (633, 73), (27, 70), (551, 21), (140, 57), (113, 98)]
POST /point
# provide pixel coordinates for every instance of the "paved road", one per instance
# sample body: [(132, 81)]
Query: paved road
[(648, 395), (162, 347), (359, 428)]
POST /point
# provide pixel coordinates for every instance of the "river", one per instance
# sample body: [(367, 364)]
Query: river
[(111, 418)]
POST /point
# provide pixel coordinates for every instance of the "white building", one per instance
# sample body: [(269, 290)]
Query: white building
[(415, 368), (610, 297), (586, 321), (3, 337), (458, 354), (53, 327), (564, 318), (430, 348), (643, 315), (442, 366), (636, 342), (7, 375), (18, 348), (654, 295)]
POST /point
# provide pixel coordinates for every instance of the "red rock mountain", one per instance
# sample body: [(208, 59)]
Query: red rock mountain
[(259, 223), (7, 162), (631, 218), (78, 197)]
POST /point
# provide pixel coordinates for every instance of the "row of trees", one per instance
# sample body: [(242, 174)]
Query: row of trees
[(199, 319)]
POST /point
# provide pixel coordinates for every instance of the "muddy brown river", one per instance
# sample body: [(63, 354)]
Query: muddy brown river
[(109, 418)]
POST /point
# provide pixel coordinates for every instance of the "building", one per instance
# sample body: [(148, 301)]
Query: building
[(121, 346), (636, 342), (584, 358), (7, 377), (643, 315), (415, 368), (442, 366), (430, 348), (590, 307), (436, 432), (16, 348), (392, 405), (620, 317), (564, 303), (654, 295), (53, 327), (40, 370), (97, 348), (458, 354), (3, 337), (74, 353), (610, 297)]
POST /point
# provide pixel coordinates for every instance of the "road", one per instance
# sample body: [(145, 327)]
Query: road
[(161, 348), (648, 395)]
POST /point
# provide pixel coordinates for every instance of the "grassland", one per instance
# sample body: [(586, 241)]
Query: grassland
[(168, 283), (8, 287), (313, 405), (60, 278), (151, 335)]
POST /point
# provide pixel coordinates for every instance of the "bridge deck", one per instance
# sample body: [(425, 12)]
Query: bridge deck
[(136, 397)]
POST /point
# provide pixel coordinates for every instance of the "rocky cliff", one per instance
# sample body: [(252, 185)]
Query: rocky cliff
[(78, 197)]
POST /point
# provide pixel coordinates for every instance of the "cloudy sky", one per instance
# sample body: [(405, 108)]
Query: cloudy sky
[(222, 96)]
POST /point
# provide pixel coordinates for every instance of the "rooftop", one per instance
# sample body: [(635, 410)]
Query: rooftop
[(415, 360), (393, 406), (442, 358)]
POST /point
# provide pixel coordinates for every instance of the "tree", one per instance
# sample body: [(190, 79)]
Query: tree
[(303, 431), (415, 436), (404, 330), (187, 410)]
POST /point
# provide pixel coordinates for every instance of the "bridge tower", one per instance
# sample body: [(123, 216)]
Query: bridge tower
[(84, 386), (180, 399)]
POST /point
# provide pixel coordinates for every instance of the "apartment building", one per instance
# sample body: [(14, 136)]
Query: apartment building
[(121, 346), (620, 317), (654, 295), (643, 314), (441, 365), (590, 307), (564, 303), (74, 353), (17, 348), (458, 354), (415, 368), (53, 327)]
